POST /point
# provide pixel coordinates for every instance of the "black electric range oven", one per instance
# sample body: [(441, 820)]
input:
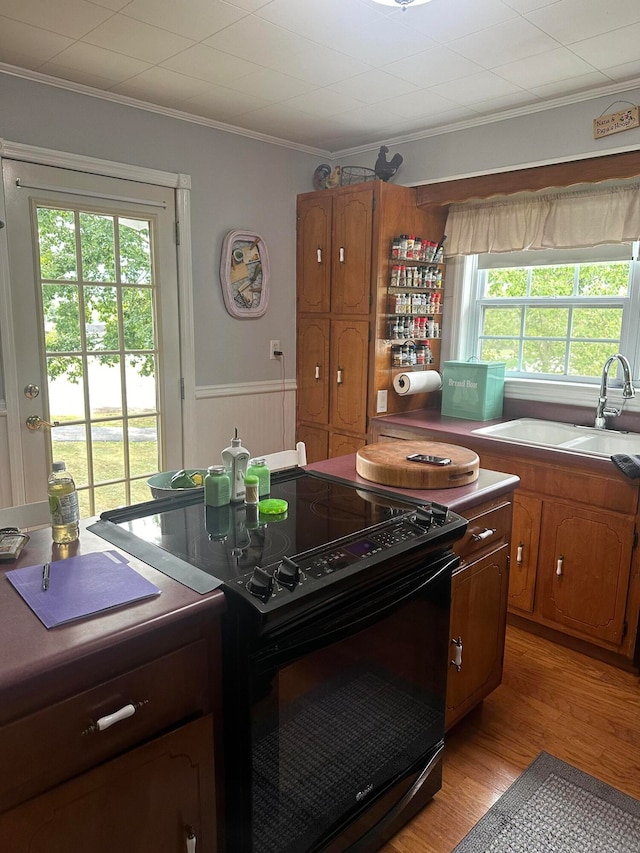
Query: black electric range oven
[(336, 653)]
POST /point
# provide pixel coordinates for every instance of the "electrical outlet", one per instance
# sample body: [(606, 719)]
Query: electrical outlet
[(273, 346)]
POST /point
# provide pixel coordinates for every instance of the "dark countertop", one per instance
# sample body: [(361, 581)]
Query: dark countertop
[(490, 484), (31, 655), (460, 431)]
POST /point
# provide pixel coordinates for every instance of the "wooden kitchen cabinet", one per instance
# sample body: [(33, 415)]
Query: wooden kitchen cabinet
[(151, 800), (527, 513), (110, 725), (479, 589), (344, 374)]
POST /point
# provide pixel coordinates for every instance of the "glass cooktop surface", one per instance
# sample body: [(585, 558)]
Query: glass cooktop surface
[(229, 541)]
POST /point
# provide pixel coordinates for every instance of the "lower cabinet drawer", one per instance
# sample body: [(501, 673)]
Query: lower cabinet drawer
[(57, 742), (487, 530)]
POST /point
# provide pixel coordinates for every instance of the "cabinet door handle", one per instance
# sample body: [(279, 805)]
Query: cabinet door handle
[(519, 553), (341, 254), (486, 534), (103, 723), (457, 654), (191, 840), (317, 373), (339, 377), (319, 255), (559, 565)]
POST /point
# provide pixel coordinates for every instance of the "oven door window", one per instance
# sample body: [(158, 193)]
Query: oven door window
[(347, 706)]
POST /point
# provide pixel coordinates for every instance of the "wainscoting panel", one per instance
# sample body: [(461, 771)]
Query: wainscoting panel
[(263, 412)]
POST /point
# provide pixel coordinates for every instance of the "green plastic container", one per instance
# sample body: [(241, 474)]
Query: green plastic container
[(473, 390)]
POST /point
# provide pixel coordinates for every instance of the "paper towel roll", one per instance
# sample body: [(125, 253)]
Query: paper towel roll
[(417, 383)]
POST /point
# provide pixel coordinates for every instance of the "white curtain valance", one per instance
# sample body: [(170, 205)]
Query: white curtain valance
[(560, 220)]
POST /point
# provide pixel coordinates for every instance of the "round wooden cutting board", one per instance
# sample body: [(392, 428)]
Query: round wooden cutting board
[(386, 463)]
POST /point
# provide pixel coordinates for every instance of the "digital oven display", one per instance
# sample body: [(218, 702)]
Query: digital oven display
[(361, 547)]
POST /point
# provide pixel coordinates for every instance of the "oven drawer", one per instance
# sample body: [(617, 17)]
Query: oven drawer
[(489, 528), (55, 743)]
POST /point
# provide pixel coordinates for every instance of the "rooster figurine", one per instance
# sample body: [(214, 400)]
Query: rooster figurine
[(384, 168)]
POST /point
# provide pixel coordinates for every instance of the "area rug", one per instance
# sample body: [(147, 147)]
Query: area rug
[(556, 808)]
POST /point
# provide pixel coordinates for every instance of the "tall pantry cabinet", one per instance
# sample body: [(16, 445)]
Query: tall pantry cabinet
[(344, 373)]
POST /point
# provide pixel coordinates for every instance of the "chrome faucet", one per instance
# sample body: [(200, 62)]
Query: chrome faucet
[(602, 410)]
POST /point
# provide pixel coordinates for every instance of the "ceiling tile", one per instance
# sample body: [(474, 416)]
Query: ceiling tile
[(73, 18), (271, 85), (625, 71), (609, 49), (133, 38), (478, 87), (209, 64), (76, 75), (549, 67), (31, 42), (504, 43), (420, 104), (223, 103), (195, 20), (104, 63), (323, 103), (374, 86), (174, 87), (562, 88), (433, 66), (445, 22), (574, 20)]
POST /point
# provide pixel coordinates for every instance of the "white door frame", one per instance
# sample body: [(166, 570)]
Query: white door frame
[(182, 185)]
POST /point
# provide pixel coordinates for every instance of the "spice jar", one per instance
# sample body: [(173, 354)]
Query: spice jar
[(251, 489), (258, 468), (217, 486)]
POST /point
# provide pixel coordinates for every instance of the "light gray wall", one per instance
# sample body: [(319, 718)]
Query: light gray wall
[(236, 183), (550, 135), (243, 183)]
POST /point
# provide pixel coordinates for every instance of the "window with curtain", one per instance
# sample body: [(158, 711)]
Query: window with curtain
[(557, 313), (555, 288)]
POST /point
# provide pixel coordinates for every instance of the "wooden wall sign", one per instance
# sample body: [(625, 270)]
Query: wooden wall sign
[(615, 122)]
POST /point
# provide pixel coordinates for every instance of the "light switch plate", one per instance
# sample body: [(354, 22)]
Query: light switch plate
[(381, 405)]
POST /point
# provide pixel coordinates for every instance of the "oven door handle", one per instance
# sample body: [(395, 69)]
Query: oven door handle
[(351, 620)]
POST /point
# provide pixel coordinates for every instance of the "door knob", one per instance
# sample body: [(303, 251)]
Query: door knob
[(34, 422), (31, 391)]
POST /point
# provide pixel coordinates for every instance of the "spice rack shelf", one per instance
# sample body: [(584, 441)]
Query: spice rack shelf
[(414, 294)]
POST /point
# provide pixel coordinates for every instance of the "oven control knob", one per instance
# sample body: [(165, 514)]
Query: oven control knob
[(288, 573), (261, 583)]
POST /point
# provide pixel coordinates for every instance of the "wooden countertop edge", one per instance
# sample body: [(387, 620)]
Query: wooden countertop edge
[(490, 484)]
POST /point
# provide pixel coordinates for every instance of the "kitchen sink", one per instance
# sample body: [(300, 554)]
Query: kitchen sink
[(580, 439)]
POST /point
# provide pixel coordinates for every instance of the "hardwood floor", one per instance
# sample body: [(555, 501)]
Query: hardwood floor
[(551, 699)]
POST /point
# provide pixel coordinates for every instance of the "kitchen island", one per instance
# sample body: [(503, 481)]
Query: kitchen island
[(72, 777)]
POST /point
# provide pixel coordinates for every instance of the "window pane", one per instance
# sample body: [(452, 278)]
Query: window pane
[(135, 251), (68, 444), (597, 323), (141, 385), (105, 390), (587, 359), (108, 451), (57, 244), (510, 282), (66, 389), (543, 356), (496, 350), (143, 446), (604, 279), (502, 321), (108, 497), (98, 252), (546, 322), (140, 491), (61, 318), (552, 281), (101, 323), (137, 309)]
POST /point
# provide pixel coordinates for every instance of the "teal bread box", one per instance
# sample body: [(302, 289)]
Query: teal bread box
[(473, 389)]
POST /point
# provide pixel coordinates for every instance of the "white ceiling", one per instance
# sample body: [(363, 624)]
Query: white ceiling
[(330, 74)]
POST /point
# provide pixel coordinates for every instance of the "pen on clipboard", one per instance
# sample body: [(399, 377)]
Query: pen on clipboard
[(45, 576)]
